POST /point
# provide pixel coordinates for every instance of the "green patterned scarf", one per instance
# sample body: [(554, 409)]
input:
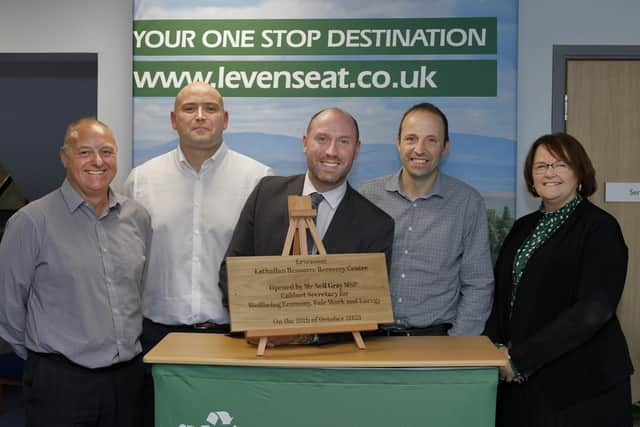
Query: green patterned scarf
[(548, 223)]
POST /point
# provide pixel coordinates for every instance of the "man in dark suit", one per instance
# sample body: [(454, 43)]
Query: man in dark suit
[(346, 221)]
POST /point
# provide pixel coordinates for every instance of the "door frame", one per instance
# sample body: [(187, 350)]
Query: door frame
[(561, 55), (564, 53)]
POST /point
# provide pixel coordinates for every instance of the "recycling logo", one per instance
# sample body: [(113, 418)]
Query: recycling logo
[(217, 418)]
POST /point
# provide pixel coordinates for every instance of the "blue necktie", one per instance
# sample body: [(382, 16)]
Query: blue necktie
[(316, 199)]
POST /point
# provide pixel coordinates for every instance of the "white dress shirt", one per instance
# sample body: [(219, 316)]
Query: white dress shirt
[(193, 216), (327, 207)]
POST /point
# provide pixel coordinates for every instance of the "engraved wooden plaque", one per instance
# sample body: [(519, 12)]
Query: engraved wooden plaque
[(319, 293)]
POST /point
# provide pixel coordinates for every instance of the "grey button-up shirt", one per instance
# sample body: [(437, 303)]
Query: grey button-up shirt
[(70, 282), (441, 268)]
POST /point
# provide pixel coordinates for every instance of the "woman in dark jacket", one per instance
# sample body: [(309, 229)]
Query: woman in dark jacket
[(559, 278)]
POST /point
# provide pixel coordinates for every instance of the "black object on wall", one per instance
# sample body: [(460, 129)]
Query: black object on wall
[(40, 94)]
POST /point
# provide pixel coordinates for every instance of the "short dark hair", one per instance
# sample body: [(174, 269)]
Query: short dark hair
[(340, 110), (566, 148), (430, 108)]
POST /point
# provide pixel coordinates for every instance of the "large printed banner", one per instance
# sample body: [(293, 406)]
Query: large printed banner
[(352, 38), (277, 62)]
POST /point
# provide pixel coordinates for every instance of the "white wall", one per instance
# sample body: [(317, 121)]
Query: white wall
[(544, 23), (102, 26)]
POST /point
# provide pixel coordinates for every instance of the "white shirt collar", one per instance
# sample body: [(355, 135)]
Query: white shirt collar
[(219, 154), (332, 197)]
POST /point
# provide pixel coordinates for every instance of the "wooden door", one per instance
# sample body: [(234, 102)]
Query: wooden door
[(603, 112)]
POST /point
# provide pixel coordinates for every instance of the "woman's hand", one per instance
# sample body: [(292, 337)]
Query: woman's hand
[(506, 372)]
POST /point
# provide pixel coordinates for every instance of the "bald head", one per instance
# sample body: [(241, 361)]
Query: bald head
[(199, 88), (337, 111), (89, 156), (199, 119), (330, 145), (72, 134)]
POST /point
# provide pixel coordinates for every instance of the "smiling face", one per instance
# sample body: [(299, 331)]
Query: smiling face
[(199, 117), (556, 186), (421, 146), (90, 158), (331, 145)]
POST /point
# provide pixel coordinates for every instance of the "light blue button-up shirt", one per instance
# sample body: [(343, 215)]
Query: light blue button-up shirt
[(441, 269), (71, 282)]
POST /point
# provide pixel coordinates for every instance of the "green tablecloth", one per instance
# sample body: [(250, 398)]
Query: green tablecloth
[(198, 395)]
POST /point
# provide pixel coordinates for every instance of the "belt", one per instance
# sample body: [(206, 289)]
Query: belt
[(56, 357), (433, 330), (160, 329), (208, 326)]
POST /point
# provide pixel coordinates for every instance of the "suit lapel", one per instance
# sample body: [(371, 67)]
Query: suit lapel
[(295, 186), (275, 208)]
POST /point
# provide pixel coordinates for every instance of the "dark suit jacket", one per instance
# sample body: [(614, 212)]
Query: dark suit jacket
[(563, 329), (357, 226)]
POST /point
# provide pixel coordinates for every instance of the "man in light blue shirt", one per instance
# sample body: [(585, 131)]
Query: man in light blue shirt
[(71, 290), (441, 276)]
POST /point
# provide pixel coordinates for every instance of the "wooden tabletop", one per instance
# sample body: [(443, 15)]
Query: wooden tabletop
[(381, 352)]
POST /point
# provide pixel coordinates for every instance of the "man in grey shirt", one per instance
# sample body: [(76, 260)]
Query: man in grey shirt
[(70, 286), (441, 273)]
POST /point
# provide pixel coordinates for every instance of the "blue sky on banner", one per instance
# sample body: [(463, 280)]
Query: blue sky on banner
[(483, 129)]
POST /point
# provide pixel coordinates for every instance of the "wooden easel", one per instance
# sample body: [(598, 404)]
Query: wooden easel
[(301, 216)]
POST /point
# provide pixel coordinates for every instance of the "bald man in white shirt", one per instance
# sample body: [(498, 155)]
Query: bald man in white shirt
[(194, 194)]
